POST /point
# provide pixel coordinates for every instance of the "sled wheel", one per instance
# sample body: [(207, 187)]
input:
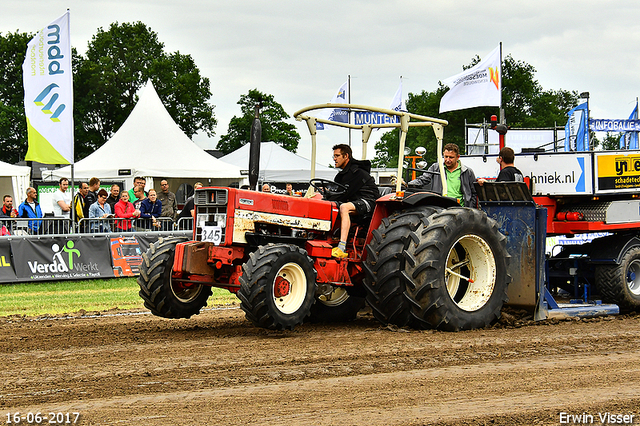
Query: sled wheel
[(458, 270), (620, 284), (162, 294), (278, 285), (339, 306), (386, 281)]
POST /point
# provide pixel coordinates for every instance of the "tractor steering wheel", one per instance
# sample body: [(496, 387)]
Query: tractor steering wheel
[(328, 188)]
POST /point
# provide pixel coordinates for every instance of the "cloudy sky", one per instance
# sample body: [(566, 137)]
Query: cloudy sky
[(302, 51)]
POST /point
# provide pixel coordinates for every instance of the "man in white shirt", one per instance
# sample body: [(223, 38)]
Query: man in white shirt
[(61, 207), (62, 199)]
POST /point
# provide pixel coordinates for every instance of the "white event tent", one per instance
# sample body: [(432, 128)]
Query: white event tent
[(14, 181), (151, 144), (278, 165)]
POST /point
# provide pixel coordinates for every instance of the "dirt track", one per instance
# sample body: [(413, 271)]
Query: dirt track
[(218, 369)]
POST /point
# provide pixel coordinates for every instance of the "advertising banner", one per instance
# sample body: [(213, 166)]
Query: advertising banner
[(48, 94), (367, 117), (7, 274), (52, 258), (550, 173), (576, 134), (480, 85), (126, 256), (61, 258), (614, 125), (617, 172)]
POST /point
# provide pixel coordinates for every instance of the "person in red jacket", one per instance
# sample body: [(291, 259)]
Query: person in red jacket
[(124, 209)]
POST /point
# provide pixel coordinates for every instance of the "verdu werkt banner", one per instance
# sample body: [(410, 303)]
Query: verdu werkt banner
[(48, 94)]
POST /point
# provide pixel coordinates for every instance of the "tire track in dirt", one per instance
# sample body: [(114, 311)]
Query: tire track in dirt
[(217, 369)]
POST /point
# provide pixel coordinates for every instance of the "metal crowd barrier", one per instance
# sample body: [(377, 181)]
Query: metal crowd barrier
[(63, 226), (184, 224)]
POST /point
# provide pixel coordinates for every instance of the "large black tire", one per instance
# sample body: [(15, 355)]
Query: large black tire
[(453, 244), (163, 296), (278, 285), (620, 284), (340, 306), (385, 279)]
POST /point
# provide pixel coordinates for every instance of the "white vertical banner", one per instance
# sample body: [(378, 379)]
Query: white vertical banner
[(48, 94), (480, 85)]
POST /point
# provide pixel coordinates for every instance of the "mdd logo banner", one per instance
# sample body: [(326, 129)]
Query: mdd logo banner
[(48, 94), (61, 258)]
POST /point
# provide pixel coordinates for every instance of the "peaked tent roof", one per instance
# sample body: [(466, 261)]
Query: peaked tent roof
[(278, 165), (150, 143)]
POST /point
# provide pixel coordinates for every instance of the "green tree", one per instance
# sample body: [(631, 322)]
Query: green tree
[(525, 103), (13, 124), (118, 62), (610, 141), (272, 120)]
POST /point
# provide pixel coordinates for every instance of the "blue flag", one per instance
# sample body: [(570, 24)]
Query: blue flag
[(576, 131), (337, 114)]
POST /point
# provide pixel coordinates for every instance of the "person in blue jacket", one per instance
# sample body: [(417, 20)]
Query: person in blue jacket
[(150, 210), (31, 209)]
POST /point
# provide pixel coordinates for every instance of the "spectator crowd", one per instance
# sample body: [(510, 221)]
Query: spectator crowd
[(93, 209)]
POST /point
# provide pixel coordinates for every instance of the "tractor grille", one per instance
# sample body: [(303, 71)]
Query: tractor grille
[(211, 210)]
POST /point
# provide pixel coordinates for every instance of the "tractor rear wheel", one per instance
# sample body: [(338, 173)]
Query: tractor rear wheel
[(277, 286), (386, 282), (339, 306), (620, 284), (164, 295), (456, 270)]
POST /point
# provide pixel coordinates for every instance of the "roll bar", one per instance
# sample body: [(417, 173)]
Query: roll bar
[(402, 120)]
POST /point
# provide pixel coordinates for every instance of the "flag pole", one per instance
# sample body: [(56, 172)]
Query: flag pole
[(349, 101), (501, 136), (73, 210)]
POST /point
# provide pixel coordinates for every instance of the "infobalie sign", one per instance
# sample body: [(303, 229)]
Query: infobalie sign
[(614, 125)]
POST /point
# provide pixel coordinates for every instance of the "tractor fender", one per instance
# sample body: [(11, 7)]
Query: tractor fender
[(389, 203), (429, 199)]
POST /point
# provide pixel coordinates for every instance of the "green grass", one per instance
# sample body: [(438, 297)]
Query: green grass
[(67, 297)]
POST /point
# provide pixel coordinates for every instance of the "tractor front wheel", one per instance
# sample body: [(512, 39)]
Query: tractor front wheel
[(277, 286), (164, 295)]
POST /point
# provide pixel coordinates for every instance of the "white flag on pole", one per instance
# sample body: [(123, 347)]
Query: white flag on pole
[(480, 85), (397, 104), (337, 114), (48, 94)]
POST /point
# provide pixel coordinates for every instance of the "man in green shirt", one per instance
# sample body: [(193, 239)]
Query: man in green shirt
[(460, 178)]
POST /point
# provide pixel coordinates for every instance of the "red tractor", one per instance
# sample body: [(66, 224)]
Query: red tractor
[(420, 260)]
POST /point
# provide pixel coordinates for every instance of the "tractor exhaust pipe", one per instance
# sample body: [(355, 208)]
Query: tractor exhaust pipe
[(254, 150)]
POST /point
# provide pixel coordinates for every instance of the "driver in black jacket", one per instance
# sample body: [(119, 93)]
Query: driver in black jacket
[(360, 196)]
